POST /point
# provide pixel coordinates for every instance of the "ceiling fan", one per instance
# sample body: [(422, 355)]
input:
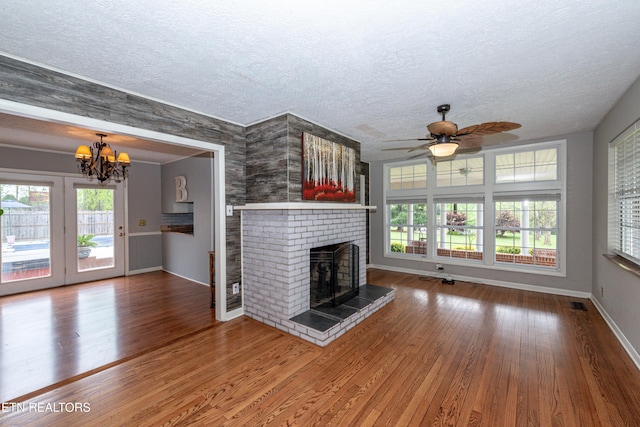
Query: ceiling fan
[(445, 138)]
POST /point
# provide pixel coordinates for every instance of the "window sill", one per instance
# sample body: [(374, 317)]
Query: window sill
[(623, 263), (460, 262)]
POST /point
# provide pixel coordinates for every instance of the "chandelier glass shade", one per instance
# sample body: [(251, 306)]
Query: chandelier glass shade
[(101, 162)]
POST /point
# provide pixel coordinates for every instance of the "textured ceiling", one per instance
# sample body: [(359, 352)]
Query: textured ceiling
[(372, 70)]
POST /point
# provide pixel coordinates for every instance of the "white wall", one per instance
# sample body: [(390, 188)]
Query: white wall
[(621, 289), (578, 278)]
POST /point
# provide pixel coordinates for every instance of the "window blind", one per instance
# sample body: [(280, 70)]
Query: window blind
[(391, 200), (459, 199), (530, 196), (624, 194)]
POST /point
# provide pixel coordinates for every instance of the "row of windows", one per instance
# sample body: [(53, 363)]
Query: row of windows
[(526, 166), (523, 232), (489, 223)]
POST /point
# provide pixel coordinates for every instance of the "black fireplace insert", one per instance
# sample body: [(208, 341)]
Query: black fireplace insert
[(335, 274)]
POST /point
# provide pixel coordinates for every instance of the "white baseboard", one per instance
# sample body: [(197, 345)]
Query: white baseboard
[(185, 277), (144, 270), (631, 351), (229, 315), (503, 284), (233, 314)]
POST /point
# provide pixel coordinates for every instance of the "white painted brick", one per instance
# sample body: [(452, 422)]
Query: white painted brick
[(276, 268), (294, 332)]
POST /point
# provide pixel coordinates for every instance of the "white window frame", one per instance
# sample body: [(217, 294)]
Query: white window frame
[(479, 227), (532, 198), (401, 165), (529, 149), (556, 187), (410, 224), (466, 158)]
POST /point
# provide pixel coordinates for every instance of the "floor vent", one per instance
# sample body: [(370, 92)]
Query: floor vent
[(578, 306)]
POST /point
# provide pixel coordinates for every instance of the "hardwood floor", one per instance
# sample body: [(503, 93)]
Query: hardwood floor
[(50, 336), (466, 354)]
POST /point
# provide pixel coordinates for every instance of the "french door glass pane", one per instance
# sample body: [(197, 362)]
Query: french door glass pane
[(26, 232), (95, 231)]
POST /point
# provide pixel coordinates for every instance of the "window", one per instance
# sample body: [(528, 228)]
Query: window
[(527, 231), (502, 209), (407, 227), (459, 229), (624, 194), (408, 177), (25, 228), (527, 166), (459, 172)]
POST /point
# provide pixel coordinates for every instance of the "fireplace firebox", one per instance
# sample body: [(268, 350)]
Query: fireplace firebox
[(334, 274)]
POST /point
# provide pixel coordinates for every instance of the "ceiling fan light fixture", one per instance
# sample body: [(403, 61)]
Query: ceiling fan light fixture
[(443, 149)]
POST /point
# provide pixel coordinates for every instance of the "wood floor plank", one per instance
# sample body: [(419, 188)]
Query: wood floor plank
[(466, 354), (53, 335)]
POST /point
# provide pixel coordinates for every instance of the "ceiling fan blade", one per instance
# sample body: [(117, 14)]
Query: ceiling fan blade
[(488, 128), (421, 147), (412, 139), (468, 150), (397, 148), (425, 154), (469, 141)]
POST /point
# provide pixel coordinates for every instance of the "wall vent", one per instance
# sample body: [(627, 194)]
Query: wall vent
[(578, 306)]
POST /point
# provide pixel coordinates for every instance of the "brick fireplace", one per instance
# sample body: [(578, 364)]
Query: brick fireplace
[(279, 229), (276, 245)]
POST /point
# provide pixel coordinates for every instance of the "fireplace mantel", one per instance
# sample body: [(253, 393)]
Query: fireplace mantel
[(301, 206)]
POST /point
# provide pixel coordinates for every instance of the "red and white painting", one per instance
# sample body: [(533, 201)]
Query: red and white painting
[(329, 170)]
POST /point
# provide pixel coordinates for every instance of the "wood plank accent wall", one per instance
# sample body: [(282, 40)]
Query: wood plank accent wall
[(267, 161), (32, 85), (274, 158)]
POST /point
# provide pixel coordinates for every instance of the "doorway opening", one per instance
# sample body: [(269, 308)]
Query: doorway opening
[(218, 205)]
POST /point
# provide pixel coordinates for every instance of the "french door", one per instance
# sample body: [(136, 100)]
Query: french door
[(56, 231), (31, 232), (94, 230)]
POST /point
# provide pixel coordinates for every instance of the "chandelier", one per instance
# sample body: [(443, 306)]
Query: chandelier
[(100, 161)]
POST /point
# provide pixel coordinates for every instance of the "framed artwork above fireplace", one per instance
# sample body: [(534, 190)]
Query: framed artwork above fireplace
[(329, 170)]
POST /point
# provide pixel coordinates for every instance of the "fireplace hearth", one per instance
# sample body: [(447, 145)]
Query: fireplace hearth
[(334, 274)]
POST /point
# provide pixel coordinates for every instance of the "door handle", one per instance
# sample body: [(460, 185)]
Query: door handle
[(120, 234)]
